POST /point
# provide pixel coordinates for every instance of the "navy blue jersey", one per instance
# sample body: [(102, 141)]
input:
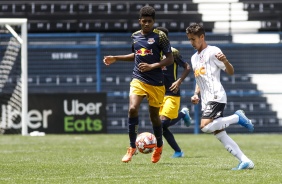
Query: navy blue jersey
[(149, 48), (170, 72)]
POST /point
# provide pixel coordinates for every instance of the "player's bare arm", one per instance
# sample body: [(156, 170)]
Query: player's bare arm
[(108, 60), (195, 98), (144, 67), (229, 68), (175, 86)]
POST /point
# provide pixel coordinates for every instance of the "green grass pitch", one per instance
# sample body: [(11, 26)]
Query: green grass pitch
[(97, 159)]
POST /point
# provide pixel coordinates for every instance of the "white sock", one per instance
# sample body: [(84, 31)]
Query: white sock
[(220, 123), (231, 146)]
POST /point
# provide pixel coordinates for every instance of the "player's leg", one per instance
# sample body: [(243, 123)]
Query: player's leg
[(232, 147), (171, 110), (212, 118), (168, 111), (133, 119), (156, 122), (244, 121), (183, 114), (211, 113), (168, 135), (136, 96), (157, 128), (155, 96), (224, 122), (220, 122)]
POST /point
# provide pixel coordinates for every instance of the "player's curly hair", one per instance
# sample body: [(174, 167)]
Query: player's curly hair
[(196, 29), (163, 29), (147, 11)]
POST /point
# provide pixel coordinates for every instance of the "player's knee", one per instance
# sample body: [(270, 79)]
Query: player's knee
[(156, 121), (133, 111), (206, 129), (165, 123)]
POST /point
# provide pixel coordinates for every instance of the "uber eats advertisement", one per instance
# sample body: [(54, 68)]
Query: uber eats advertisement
[(67, 113)]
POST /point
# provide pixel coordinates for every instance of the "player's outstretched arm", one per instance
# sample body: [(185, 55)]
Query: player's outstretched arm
[(108, 60)]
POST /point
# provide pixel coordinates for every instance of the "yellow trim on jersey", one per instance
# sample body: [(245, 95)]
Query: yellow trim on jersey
[(174, 70), (175, 53)]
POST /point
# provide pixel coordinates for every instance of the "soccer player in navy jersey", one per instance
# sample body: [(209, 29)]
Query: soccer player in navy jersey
[(169, 110), (148, 47), (207, 63)]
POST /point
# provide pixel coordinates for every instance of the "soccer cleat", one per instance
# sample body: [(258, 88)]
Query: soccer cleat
[(156, 156), (178, 154), (245, 165), (244, 121), (130, 152), (186, 118)]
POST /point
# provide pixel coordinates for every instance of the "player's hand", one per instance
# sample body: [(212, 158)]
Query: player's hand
[(144, 67), (195, 99), (221, 57), (174, 87), (109, 60)]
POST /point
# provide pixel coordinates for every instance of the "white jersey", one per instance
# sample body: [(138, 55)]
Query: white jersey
[(207, 69)]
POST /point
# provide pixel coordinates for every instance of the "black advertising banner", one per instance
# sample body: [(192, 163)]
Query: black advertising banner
[(67, 113)]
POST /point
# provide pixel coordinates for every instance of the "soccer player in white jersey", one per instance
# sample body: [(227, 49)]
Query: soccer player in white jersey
[(207, 64)]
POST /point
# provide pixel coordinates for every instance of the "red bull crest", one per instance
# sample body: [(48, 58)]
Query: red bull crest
[(144, 52), (151, 41)]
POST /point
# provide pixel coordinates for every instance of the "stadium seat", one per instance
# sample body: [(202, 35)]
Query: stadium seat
[(99, 7), (6, 8), (40, 26), (83, 8), (64, 8), (22, 8), (175, 7), (43, 8), (135, 7), (118, 8)]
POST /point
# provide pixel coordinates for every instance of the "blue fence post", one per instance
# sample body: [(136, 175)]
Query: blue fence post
[(98, 61), (196, 115), (196, 118)]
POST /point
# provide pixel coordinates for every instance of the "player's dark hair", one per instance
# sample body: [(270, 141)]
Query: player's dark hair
[(196, 29), (163, 29), (147, 11)]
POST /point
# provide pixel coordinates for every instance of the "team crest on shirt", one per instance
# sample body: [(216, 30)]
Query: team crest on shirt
[(151, 41), (202, 59)]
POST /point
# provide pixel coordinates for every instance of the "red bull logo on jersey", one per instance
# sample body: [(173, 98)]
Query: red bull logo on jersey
[(144, 52), (200, 71), (151, 41)]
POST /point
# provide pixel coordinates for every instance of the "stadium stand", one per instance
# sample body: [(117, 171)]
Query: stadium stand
[(268, 12), (122, 16)]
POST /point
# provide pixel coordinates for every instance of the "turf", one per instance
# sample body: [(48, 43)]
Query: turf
[(97, 159)]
